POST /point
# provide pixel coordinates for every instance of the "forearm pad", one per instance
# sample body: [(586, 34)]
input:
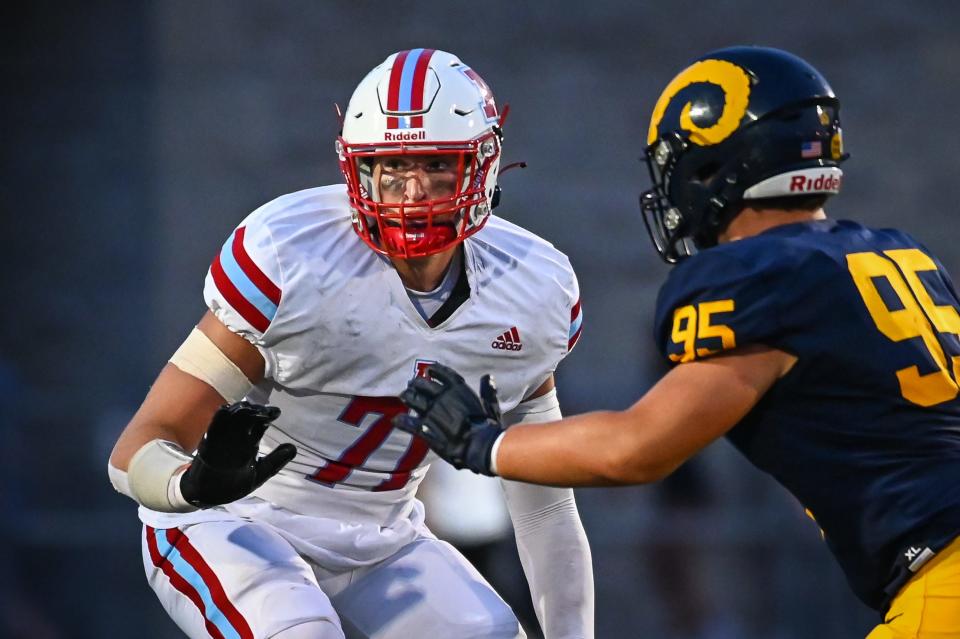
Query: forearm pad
[(153, 477)]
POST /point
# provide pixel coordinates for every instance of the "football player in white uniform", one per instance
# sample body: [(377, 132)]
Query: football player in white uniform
[(299, 519)]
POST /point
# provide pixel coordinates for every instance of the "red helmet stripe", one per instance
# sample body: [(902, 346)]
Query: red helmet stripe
[(393, 91)]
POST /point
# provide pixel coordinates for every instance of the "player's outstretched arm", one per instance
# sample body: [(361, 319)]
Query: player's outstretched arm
[(149, 461), (688, 408)]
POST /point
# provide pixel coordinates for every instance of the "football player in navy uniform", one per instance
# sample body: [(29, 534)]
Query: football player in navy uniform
[(825, 351)]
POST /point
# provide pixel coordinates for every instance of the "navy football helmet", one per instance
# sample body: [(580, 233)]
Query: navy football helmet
[(739, 124)]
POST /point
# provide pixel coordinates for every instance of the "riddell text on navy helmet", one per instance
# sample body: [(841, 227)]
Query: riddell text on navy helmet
[(824, 182)]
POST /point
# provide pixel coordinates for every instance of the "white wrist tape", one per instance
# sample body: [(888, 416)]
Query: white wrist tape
[(200, 357), (493, 453), (153, 477)]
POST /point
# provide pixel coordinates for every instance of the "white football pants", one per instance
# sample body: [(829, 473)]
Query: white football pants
[(242, 579)]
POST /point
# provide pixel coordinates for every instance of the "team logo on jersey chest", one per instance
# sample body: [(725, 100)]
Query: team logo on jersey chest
[(509, 341), (420, 367)]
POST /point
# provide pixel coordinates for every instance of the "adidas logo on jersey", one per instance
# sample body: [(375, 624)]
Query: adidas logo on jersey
[(509, 341)]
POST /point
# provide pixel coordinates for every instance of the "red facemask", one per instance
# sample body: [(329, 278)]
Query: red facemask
[(455, 204)]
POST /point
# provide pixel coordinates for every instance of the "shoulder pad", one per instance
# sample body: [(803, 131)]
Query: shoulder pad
[(720, 299)]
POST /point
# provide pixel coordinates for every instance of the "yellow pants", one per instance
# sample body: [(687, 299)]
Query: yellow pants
[(928, 606)]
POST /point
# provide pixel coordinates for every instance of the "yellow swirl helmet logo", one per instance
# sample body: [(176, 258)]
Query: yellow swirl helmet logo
[(735, 84)]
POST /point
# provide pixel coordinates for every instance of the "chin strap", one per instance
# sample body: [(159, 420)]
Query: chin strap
[(497, 191), (513, 165)]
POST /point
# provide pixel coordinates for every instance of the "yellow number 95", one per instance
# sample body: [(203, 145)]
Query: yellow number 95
[(919, 317), (692, 323)]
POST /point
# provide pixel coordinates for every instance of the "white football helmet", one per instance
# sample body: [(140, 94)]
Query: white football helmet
[(421, 102)]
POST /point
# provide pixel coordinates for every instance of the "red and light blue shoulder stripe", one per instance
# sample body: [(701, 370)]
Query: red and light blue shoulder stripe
[(244, 286), (171, 551), (576, 325), (405, 93)]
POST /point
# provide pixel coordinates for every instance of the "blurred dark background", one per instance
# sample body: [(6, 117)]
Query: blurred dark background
[(139, 133)]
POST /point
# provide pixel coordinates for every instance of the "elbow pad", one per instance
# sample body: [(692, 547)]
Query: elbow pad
[(200, 357)]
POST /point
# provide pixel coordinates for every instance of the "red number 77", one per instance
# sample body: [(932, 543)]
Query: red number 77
[(358, 452)]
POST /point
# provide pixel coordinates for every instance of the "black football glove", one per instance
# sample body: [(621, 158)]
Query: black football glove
[(458, 425), (226, 467)]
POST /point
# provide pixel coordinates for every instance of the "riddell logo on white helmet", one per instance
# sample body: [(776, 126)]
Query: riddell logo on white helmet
[(810, 180), (404, 136), (823, 183)]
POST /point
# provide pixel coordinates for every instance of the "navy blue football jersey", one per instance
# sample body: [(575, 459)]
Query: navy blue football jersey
[(865, 428)]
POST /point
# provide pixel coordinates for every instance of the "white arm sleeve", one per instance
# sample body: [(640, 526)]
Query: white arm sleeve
[(551, 541)]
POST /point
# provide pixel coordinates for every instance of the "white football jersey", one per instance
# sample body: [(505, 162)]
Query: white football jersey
[(341, 339)]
